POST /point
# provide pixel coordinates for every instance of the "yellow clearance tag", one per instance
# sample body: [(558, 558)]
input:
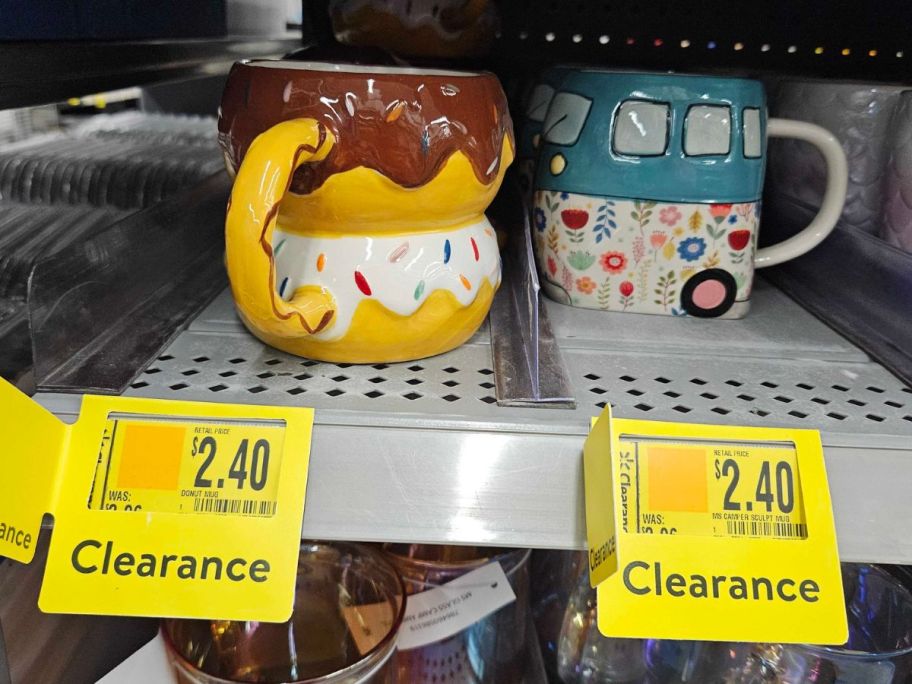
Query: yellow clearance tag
[(721, 533), (32, 440), (599, 484), (165, 508)]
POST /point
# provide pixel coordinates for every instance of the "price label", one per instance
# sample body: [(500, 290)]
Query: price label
[(172, 466), (717, 489), (711, 532)]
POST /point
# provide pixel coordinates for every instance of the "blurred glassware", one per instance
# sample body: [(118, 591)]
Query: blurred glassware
[(878, 651), (584, 656), (553, 577), (349, 603), (491, 651)]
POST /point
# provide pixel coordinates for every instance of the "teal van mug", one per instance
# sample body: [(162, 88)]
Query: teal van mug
[(647, 192), (529, 125)]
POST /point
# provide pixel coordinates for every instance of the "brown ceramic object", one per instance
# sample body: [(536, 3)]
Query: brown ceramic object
[(419, 28), (356, 230), (382, 121)]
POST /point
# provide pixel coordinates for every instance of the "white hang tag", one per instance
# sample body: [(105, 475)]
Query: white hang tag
[(446, 610), (149, 665)]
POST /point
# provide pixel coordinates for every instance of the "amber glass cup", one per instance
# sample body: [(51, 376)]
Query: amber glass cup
[(349, 603), (493, 650)]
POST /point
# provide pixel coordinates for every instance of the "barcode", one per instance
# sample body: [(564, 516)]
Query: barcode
[(780, 530), (236, 506)]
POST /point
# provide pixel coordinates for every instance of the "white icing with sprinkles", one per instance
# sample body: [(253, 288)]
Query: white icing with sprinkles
[(399, 272)]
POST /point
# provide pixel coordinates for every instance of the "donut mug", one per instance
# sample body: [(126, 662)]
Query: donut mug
[(356, 229)]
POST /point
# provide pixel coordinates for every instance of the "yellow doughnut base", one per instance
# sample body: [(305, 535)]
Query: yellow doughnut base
[(440, 324)]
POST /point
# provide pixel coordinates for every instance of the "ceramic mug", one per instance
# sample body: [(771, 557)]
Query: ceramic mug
[(419, 28), (356, 228), (647, 192), (528, 139)]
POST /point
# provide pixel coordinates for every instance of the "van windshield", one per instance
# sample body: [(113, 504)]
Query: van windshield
[(539, 101), (566, 118)]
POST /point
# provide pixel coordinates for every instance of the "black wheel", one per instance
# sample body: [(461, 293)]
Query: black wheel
[(709, 293)]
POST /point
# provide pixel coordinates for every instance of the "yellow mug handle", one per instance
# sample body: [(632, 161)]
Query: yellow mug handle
[(262, 180)]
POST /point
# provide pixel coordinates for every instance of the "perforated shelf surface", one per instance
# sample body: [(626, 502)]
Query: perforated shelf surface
[(421, 451)]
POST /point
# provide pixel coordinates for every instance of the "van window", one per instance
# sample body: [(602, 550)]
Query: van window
[(707, 130), (753, 145), (539, 101), (641, 128), (566, 118)]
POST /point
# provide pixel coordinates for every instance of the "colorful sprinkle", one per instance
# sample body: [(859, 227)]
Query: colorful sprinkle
[(489, 232), (398, 253), (419, 290), (321, 262), (474, 247), (447, 252), (361, 282), (278, 248), (282, 287), (465, 282), (425, 142), (395, 111)]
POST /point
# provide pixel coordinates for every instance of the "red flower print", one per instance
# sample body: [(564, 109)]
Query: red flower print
[(657, 238), (626, 288), (720, 211), (739, 239), (552, 266), (586, 285), (613, 262), (575, 219), (670, 216)]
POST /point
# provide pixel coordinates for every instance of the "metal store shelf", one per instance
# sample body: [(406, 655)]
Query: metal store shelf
[(39, 72), (421, 452)]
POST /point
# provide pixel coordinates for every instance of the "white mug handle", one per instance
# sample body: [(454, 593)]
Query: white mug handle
[(833, 198)]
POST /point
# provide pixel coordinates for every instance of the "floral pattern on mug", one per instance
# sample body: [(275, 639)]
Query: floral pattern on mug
[(586, 285), (636, 255), (613, 262), (670, 216)]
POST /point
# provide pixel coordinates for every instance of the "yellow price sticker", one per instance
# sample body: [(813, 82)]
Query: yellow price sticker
[(711, 532), (179, 466), (721, 489), (161, 508)]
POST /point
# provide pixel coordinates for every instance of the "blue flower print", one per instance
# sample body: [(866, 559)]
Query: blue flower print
[(692, 249), (565, 195), (538, 217), (732, 219)]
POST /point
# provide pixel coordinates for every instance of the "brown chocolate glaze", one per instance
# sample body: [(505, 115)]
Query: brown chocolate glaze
[(405, 126)]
